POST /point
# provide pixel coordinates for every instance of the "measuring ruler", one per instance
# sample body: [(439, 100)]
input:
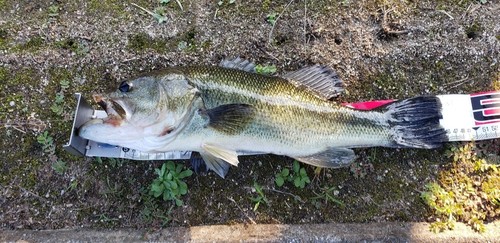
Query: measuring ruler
[(466, 117), (471, 117)]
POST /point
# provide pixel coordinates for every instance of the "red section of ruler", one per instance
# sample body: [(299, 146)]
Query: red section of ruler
[(368, 105)]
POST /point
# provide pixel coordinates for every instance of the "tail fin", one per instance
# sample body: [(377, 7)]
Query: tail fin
[(415, 122)]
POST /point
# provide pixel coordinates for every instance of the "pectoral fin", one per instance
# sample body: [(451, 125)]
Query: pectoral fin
[(219, 159), (230, 118), (331, 158)]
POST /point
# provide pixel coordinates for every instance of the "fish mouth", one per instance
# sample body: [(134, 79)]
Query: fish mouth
[(115, 109)]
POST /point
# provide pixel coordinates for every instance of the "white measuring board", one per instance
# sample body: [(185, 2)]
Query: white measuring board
[(471, 117)]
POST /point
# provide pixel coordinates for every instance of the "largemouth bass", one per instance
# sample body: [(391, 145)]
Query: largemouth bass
[(222, 111)]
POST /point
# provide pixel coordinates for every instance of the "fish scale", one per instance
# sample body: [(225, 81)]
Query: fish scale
[(289, 116)]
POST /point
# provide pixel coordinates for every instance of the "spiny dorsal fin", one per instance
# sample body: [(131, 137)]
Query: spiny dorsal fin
[(238, 63), (231, 118), (321, 80), (331, 158)]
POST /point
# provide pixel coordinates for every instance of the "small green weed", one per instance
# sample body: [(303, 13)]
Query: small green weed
[(72, 185), (182, 45), (53, 10), (152, 211), (103, 218), (468, 191), (282, 176), (59, 103), (271, 18), (59, 166), (328, 194), (261, 197), (112, 162), (47, 142), (299, 176), (266, 70), (169, 183), (49, 148), (158, 13), (221, 2)]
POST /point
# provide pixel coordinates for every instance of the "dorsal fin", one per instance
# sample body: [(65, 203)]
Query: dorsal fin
[(321, 80), (238, 63)]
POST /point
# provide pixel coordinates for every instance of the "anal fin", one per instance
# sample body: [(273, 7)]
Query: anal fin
[(331, 158)]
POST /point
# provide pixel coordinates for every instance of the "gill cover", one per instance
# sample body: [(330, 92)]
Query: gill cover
[(157, 108)]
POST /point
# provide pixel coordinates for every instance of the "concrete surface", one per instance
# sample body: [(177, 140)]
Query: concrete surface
[(371, 232)]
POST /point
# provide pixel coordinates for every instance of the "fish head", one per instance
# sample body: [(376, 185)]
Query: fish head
[(151, 108)]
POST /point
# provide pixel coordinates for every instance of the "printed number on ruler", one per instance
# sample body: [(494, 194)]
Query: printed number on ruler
[(486, 113)]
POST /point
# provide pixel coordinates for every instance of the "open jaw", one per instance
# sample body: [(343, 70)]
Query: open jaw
[(115, 111), (114, 128)]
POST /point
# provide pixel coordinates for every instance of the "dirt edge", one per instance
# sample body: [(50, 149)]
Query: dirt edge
[(391, 231)]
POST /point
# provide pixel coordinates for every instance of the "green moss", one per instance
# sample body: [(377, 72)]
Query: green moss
[(464, 185), (265, 4), (32, 45), (188, 41), (14, 79), (206, 45), (12, 88), (4, 74), (22, 169), (496, 81), (3, 34), (453, 4), (68, 44), (8, 30), (105, 6), (73, 45), (141, 42)]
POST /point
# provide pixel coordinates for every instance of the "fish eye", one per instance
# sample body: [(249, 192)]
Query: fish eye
[(125, 87)]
